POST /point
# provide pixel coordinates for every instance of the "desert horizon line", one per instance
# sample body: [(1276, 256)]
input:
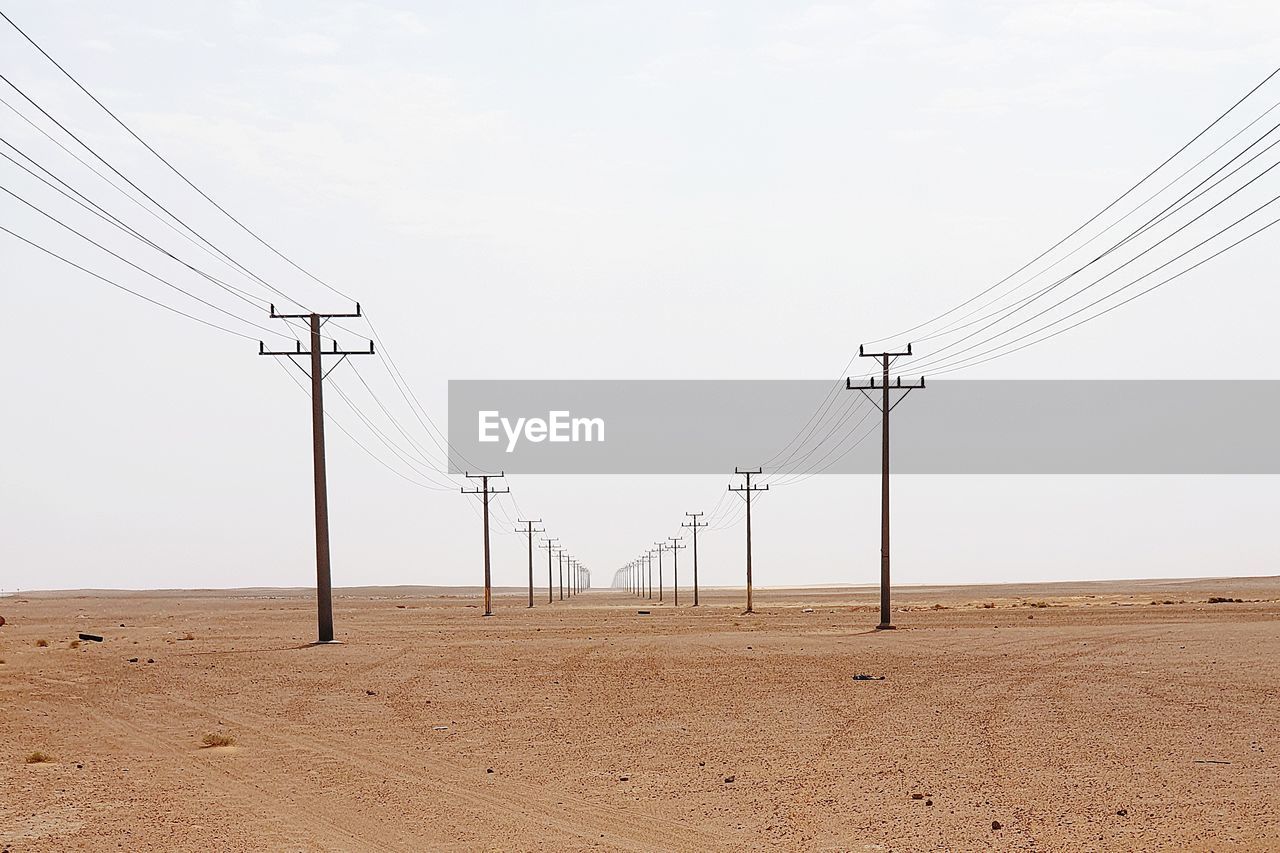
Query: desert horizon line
[(523, 590)]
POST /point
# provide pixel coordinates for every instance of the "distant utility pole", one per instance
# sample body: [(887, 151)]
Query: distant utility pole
[(549, 544), (530, 531), (485, 491), (746, 491), (675, 547), (695, 524), (662, 546), (561, 556), (324, 589), (649, 564), (886, 359)]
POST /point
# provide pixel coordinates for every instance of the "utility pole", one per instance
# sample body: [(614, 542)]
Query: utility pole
[(661, 547), (560, 554), (746, 491), (649, 564), (886, 359), (695, 524), (530, 531), (549, 544), (675, 547), (317, 374), (485, 491)]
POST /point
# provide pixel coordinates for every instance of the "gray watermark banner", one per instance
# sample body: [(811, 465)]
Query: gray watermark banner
[(806, 427)]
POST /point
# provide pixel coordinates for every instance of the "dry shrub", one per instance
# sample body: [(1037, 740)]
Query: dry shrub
[(214, 739), (42, 644), (39, 757), (74, 644)]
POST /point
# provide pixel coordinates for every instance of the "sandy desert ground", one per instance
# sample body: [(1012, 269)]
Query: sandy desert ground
[(1086, 716)]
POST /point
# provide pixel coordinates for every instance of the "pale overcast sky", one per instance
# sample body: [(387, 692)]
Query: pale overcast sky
[(598, 190)]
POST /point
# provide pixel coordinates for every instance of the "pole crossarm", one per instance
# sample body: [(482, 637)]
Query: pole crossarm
[(275, 316)]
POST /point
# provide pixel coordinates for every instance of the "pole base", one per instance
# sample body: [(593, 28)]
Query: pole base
[(327, 643), (885, 626)]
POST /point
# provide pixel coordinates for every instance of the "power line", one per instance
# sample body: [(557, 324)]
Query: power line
[(154, 152), (1093, 218), (119, 286), (140, 269)]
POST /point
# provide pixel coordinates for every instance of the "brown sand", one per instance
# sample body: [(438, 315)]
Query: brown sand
[(1100, 721)]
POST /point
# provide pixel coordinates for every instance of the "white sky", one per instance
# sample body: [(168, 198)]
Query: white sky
[(590, 190)]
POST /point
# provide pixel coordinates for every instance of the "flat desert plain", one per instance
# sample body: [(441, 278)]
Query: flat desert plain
[(1084, 716)]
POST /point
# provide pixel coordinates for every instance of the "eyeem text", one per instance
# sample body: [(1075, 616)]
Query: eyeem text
[(557, 426)]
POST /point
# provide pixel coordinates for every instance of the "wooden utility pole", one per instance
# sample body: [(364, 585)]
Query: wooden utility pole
[(886, 359), (695, 524), (317, 374), (649, 571), (549, 544), (484, 491), (662, 546), (746, 492), (675, 547), (561, 556), (530, 531)]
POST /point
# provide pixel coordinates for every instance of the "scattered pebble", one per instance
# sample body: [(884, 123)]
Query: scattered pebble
[(133, 660), (995, 824), (1122, 812), (928, 802), (729, 779), (917, 796), (490, 770), (624, 778)]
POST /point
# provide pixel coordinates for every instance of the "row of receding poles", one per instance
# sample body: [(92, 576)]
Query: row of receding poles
[(577, 575), (639, 573)]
